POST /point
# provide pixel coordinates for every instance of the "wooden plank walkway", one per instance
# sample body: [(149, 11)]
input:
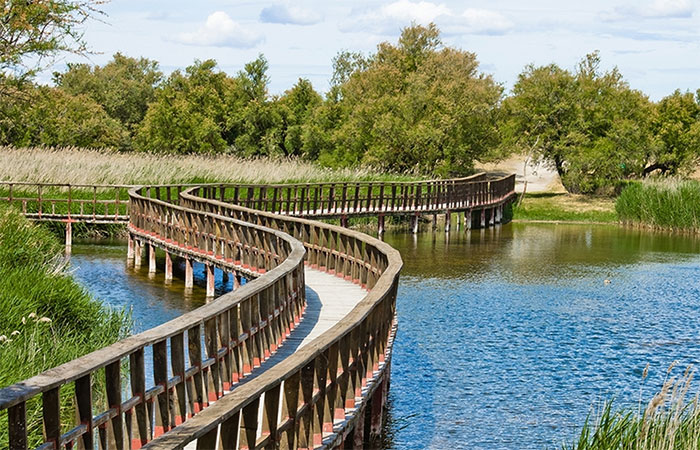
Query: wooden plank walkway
[(328, 299)]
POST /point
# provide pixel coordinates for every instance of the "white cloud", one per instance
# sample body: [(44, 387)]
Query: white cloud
[(282, 13), (668, 8), (390, 18), (484, 21), (419, 12), (220, 31), (655, 9)]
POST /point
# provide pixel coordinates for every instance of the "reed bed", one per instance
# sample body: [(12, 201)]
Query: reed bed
[(668, 204), (83, 166), (47, 318), (669, 421)]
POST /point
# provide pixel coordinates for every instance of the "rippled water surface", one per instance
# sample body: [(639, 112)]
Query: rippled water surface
[(102, 268), (507, 337)]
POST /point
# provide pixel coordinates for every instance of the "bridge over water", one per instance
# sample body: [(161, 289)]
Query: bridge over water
[(299, 357)]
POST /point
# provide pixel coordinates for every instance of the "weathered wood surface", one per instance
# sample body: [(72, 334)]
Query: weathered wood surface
[(41, 201), (316, 396), (95, 203)]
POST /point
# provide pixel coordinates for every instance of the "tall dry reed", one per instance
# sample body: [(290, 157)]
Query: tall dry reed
[(669, 421), (82, 166)]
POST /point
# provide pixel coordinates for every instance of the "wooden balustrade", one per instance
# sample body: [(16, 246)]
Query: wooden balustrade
[(318, 396), (68, 202), (319, 200), (196, 357), (322, 389)]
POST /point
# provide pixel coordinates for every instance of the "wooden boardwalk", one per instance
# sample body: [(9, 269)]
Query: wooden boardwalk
[(299, 358), (328, 300)]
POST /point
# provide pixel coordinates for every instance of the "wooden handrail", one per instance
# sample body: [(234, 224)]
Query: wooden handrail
[(255, 230), (277, 298)]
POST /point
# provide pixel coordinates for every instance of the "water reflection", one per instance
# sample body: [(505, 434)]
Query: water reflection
[(509, 335), (102, 268)]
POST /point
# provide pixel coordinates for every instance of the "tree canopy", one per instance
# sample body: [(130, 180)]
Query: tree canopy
[(414, 105), (34, 31), (589, 124)]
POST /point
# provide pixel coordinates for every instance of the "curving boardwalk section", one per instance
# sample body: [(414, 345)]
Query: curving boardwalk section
[(297, 358), (328, 300)]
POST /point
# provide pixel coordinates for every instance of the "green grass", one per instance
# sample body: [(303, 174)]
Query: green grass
[(47, 318), (670, 421), (565, 207), (668, 204)]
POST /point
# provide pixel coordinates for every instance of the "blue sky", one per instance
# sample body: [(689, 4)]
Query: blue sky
[(654, 43)]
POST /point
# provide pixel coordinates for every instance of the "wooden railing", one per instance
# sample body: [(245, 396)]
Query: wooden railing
[(66, 202), (366, 198), (314, 398), (323, 387), (195, 357)]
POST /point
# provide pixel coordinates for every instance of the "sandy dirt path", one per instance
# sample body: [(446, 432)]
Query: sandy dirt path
[(539, 177)]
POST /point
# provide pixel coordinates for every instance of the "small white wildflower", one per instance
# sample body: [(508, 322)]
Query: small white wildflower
[(15, 333), (24, 320), (45, 320), (33, 316), (3, 338)]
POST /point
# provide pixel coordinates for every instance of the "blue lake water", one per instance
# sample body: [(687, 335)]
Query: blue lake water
[(507, 337)]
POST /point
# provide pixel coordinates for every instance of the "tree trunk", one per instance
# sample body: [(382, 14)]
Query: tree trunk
[(647, 170)]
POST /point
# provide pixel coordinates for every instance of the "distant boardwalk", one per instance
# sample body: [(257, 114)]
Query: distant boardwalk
[(266, 365)]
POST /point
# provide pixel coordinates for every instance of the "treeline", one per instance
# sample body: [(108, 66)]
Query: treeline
[(414, 106)]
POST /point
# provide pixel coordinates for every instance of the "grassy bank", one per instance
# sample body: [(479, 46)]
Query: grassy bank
[(47, 318), (670, 421), (668, 204), (549, 206)]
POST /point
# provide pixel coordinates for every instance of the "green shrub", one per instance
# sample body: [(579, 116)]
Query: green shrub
[(669, 203)]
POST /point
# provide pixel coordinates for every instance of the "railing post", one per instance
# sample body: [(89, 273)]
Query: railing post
[(210, 280), (189, 273), (17, 426), (168, 266)]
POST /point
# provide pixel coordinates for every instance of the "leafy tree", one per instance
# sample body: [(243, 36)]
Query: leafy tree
[(124, 86), (33, 31), (589, 125), (416, 106), (298, 105), (255, 122), (58, 119), (346, 63), (189, 112), (676, 124)]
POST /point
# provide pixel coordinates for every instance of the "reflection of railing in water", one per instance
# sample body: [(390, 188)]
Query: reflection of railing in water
[(319, 396)]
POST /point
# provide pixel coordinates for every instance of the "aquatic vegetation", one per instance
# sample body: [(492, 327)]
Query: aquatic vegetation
[(668, 422), (669, 203)]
